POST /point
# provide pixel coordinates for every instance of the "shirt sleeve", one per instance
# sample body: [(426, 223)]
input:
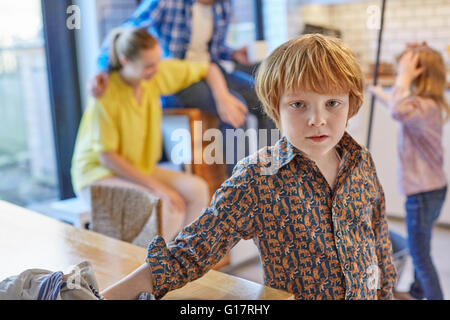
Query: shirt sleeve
[(204, 242), (147, 15), (225, 52), (175, 75), (387, 275), (406, 108), (103, 131)]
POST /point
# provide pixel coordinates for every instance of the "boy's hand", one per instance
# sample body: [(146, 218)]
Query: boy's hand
[(99, 84), (408, 69), (231, 110)]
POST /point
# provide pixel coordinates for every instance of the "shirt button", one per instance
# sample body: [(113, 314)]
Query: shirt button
[(346, 267), (339, 234)]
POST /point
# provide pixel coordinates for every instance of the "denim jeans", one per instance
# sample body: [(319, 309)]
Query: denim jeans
[(422, 210), (399, 251), (241, 85)]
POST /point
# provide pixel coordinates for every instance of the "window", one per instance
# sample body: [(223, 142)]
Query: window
[(27, 155), (242, 30)]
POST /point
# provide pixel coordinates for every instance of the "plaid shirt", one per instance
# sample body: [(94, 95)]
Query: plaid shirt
[(314, 241), (170, 22)]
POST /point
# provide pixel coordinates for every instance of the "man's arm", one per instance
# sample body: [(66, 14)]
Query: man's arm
[(229, 108)]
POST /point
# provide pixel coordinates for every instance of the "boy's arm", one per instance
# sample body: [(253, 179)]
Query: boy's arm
[(198, 247), (129, 288), (387, 273)]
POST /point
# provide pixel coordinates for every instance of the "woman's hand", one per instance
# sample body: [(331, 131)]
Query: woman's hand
[(172, 197), (231, 110)]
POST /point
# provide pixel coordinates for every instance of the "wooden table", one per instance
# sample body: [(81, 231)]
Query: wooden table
[(30, 240)]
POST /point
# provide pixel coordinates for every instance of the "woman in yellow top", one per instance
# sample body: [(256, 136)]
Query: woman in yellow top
[(119, 141)]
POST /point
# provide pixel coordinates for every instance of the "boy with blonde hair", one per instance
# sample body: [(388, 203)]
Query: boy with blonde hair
[(317, 216)]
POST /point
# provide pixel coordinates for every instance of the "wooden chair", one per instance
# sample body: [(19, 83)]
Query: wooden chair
[(213, 174), (133, 215), (125, 213)]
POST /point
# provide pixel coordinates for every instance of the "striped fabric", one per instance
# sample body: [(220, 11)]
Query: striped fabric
[(51, 286), (39, 284)]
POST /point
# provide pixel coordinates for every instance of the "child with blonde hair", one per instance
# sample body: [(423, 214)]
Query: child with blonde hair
[(418, 103), (318, 219)]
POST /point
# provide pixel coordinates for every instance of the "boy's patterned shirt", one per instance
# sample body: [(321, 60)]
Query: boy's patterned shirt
[(314, 241)]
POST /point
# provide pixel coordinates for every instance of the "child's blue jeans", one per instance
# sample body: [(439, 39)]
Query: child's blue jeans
[(422, 210)]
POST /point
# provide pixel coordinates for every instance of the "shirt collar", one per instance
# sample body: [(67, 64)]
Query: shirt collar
[(284, 151)]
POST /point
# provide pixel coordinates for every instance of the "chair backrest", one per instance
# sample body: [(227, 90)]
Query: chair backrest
[(125, 213), (214, 174)]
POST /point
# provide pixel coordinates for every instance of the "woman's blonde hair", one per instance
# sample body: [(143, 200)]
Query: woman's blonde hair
[(128, 42), (310, 62), (431, 83)]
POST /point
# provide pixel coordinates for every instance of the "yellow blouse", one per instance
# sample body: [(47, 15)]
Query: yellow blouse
[(116, 122)]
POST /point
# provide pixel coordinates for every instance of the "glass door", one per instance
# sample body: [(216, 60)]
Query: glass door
[(28, 172)]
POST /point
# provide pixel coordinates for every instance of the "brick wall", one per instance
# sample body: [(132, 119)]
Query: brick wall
[(405, 21)]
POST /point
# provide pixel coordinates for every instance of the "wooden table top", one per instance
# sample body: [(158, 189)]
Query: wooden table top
[(29, 240)]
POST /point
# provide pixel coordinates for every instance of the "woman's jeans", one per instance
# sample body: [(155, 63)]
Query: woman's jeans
[(422, 210)]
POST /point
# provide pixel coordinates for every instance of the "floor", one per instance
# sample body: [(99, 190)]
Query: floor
[(440, 255)]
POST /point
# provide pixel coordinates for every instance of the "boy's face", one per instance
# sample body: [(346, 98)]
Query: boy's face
[(314, 123)]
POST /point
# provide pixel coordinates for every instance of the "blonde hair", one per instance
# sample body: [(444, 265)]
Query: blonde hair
[(128, 42), (310, 62), (431, 83)]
